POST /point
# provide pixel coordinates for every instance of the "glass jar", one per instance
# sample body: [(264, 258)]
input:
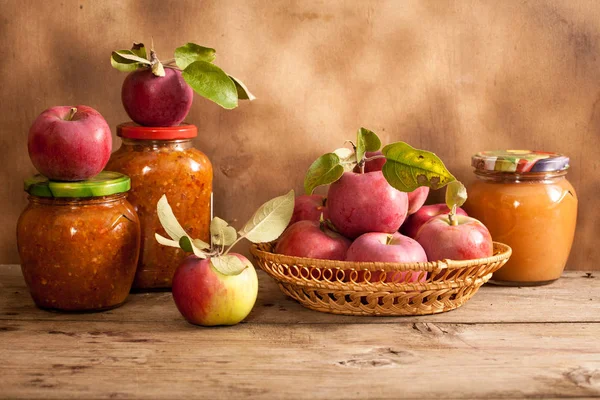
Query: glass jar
[(525, 200), (164, 161), (79, 242)]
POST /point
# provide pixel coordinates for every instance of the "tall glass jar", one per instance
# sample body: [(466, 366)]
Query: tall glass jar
[(79, 242), (164, 161), (525, 200)]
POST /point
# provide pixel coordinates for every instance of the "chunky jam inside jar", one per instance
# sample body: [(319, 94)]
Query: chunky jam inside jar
[(79, 254), (535, 214), (184, 174)]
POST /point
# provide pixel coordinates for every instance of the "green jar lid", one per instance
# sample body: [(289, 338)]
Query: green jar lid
[(103, 184)]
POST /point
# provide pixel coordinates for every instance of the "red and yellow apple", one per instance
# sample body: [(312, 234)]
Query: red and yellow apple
[(414, 222), (309, 207), (206, 297)]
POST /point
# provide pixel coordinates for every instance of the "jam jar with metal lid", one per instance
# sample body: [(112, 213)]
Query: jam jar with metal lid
[(526, 201), (162, 160), (79, 242)]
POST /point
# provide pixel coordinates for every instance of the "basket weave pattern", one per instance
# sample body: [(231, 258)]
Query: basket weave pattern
[(376, 288)]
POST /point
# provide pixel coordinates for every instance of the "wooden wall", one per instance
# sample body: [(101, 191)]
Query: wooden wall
[(454, 77)]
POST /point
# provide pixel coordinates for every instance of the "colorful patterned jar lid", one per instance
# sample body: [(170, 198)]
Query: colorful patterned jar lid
[(519, 161), (105, 183)]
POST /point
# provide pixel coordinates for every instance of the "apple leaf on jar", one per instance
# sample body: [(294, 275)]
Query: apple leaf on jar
[(228, 264), (211, 82), (242, 90), (168, 220), (407, 168), (127, 60), (323, 171), (270, 220), (191, 52), (221, 233), (366, 141), (456, 194)]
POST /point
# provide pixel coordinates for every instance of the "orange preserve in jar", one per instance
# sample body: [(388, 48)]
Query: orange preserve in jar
[(79, 242), (161, 161), (525, 200)]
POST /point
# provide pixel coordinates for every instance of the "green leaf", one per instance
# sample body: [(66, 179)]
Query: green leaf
[(323, 171), (168, 220), (408, 168), (166, 242), (127, 61), (347, 158), (456, 194), (366, 141), (211, 82), (270, 220), (191, 52), (139, 50), (188, 245), (242, 91), (228, 265), (221, 233)]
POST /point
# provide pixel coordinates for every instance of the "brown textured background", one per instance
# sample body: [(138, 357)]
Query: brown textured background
[(454, 77)]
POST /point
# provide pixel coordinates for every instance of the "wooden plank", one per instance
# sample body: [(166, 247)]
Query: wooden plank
[(64, 359), (572, 298)]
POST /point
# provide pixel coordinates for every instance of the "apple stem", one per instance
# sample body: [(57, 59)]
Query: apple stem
[(451, 215), (233, 244), (71, 113), (389, 239)]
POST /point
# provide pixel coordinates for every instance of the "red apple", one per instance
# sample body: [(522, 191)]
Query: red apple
[(309, 207), (152, 100), (312, 239), (385, 247), (416, 198), (361, 203), (414, 222), (69, 143), (206, 297), (467, 240)]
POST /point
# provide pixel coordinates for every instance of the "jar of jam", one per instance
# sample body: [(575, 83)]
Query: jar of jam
[(79, 242), (525, 200), (164, 161)]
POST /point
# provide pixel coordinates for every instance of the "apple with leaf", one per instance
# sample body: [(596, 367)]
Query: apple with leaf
[(157, 93), (359, 202), (215, 286)]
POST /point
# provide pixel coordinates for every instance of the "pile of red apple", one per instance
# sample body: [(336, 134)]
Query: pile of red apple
[(364, 218)]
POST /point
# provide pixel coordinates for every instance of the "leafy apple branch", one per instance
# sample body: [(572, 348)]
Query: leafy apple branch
[(196, 65), (266, 225)]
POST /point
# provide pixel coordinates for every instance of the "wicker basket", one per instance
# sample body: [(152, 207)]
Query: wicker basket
[(376, 288)]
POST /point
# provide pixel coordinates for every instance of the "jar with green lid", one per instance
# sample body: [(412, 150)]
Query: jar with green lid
[(79, 242)]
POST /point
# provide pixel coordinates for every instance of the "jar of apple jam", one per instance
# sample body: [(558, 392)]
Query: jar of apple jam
[(164, 161), (525, 200), (79, 242)]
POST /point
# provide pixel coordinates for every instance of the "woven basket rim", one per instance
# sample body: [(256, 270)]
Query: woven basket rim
[(501, 251)]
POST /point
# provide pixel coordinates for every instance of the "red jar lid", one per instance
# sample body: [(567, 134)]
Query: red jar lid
[(131, 130)]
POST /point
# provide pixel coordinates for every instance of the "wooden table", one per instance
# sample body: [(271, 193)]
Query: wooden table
[(504, 343)]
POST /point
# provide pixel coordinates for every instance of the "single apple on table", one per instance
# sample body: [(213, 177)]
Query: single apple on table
[(68, 143), (456, 238), (416, 198), (385, 247), (204, 296), (312, 239), (309, 207), (360, 203), (414, 222)]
